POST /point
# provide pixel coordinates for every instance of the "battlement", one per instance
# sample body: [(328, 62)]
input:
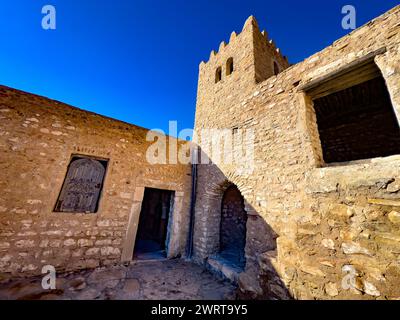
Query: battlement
[(250, 25), (248, 58)]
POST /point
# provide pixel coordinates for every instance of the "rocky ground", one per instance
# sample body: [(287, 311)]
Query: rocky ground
[(168, 279)]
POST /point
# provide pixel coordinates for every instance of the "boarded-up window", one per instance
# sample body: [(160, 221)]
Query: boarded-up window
[(82, 185)]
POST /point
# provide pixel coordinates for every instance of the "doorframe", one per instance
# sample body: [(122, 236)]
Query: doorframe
[(170, 220), (172, 239)]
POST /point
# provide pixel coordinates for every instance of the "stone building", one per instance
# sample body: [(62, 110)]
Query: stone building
[(73, 184), (314, 215), (323, 195)]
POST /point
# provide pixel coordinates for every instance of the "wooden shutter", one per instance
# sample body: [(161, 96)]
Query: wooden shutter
[(82, 186)]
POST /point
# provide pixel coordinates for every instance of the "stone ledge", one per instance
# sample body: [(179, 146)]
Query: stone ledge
[(353, 175), (222, 267), (385, 202)]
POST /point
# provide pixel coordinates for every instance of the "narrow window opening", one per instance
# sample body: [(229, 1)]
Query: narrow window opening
[(276, 68), (229, 66), (218, 75)]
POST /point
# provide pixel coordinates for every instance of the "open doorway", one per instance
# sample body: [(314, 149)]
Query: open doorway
[(233, 228), (152, 234)]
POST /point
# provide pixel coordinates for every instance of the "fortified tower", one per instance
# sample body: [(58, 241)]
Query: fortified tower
[(229, 77), (232, 73)]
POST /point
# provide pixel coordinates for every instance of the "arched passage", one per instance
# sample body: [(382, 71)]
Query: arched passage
[(233, 227)]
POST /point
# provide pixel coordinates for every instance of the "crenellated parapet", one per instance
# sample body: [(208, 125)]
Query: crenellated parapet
[(264, 58)]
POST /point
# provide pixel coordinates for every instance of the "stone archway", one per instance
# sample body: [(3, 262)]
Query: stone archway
[(233, 227)]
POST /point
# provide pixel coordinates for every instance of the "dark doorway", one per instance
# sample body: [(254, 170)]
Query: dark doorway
[(233, 227), (153, 224)]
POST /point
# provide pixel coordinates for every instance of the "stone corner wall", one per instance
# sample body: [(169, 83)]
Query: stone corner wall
[(316, 231)]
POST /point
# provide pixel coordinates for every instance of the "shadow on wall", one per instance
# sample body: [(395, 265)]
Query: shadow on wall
[(218, 217), (260, 279)]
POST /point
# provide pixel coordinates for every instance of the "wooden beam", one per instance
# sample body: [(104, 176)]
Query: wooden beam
[(367, 72), (349, 68)]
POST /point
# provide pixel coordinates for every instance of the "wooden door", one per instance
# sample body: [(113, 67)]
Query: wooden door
[(82, 186)]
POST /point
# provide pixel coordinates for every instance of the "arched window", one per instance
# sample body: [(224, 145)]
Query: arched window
[(229, 66), (218, 75), (82, 186), (276, 68)]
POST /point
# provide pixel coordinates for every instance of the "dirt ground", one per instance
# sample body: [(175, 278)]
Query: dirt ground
[(153, 280)]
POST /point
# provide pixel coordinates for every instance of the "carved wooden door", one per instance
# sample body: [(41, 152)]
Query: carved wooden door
[(82, 186)]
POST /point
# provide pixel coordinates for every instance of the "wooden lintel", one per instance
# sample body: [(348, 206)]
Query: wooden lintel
[(343, 70)]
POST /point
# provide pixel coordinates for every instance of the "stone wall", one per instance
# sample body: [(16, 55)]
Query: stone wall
[(312, 228), (38, 136)]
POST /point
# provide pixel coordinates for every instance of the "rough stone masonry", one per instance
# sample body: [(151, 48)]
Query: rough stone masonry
[(39, 137), (316, 229), (322, 197)]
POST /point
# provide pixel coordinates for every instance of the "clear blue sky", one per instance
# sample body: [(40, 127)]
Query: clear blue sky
[(137, 60)]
